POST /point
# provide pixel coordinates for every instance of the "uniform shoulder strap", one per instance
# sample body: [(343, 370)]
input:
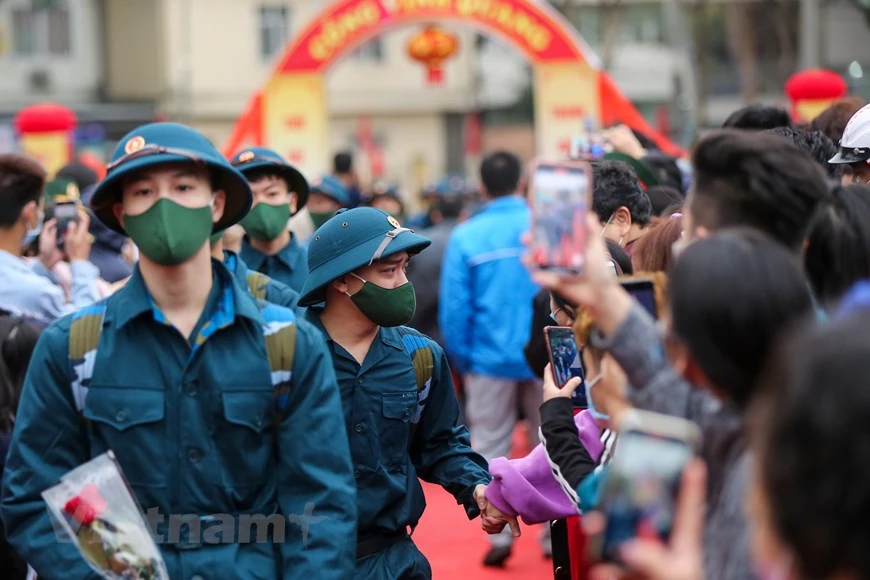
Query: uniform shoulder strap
[(84, 338), (279, 332), (257, 284), (419, 348)]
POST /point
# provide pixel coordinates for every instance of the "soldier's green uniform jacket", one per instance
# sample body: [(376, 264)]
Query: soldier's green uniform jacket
[(260, 285), (289, 266), (400, 406), (398, 434), (191, 424)]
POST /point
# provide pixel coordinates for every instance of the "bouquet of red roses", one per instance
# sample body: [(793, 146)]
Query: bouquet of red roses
[(94, 507)]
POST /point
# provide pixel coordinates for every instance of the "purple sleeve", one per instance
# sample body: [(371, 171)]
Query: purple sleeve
[(527, 487)]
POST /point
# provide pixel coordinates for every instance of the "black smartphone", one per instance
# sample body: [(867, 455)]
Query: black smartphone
[(65, 213), (642, 290), (639, 494), (565, 361)]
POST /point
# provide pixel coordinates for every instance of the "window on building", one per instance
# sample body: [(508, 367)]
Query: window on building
[(274, 30), (372, 51), (41, 31)]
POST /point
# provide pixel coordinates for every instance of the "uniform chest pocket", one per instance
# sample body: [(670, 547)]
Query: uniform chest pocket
[(130, 422), (245, 439), (395, 432)]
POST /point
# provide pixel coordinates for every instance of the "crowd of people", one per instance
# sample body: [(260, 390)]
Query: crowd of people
[(240, 356)]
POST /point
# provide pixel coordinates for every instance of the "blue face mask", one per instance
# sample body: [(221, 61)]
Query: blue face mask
[(595, 414), (34, 232)]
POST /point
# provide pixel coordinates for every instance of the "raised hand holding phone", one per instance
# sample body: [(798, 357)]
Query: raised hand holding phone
[(552, 391), (639, 495), (595, 289), (682, 557), (559, 196)]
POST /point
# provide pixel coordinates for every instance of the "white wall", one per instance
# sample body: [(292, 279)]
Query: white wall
[(74, 78)]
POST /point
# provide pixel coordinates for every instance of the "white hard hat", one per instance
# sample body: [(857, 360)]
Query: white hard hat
[(855, 144)]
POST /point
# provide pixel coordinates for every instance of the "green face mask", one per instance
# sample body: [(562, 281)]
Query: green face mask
[(266, 222), (215, 238), (320, 218), (385, 306), (169, 233)]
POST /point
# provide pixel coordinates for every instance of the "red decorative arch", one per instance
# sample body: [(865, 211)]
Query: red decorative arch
[(562, 60)]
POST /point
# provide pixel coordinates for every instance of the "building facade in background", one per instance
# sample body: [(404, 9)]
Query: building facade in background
[(119, 63)]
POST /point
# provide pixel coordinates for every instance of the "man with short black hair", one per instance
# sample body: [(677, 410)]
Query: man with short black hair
[(816, 144), (620, 202), (29, 286), (342, 166), (756, 180), (758, 117), (485, 313)]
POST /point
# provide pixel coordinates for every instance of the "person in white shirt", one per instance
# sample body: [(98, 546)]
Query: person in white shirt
[(29, 285)]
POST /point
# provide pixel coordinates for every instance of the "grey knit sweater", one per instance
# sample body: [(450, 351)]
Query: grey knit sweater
[(656, 386)]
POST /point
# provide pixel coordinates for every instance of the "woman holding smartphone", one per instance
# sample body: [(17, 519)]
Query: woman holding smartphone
[(730, 297)]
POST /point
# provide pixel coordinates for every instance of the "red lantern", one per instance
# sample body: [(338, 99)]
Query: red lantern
[(432, 47), (813, 91)]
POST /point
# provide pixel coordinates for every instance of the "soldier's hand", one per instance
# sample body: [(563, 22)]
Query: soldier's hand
[(494, 520)]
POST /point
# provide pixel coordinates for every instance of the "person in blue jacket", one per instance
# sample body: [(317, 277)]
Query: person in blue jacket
[(280, 191), (485, 315), (181, 389), (399, 404)]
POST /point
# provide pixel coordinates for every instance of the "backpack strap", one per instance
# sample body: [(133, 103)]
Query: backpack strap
[(279, 331), (257, 284), (84, 338), (419, 348)]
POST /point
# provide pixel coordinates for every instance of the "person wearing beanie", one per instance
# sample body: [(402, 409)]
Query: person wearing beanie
[(280, 191), (201, 392), (31, 286)]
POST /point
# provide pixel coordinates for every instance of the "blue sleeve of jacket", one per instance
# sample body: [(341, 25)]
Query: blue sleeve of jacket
[(49, 440), (317, 492), (441, 450), (454, 307)]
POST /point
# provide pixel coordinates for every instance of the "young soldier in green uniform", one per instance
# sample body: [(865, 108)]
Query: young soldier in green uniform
[(280, 191), (261, 286), (182, 374), (328, 195), (399, 404)]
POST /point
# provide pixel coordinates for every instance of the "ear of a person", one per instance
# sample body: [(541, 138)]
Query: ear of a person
[(219, 205), (118, 210)]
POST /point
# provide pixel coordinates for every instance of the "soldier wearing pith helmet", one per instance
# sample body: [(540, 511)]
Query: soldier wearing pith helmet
[(280, 191), (396, 386), (175, 374)]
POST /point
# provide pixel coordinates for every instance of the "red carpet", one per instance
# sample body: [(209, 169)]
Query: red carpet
[(455, 546)]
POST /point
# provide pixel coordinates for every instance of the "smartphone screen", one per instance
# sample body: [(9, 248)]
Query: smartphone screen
[(644, 292), (590, 147), (559, 197), (640, 492), (65, 213), (565, 361)]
